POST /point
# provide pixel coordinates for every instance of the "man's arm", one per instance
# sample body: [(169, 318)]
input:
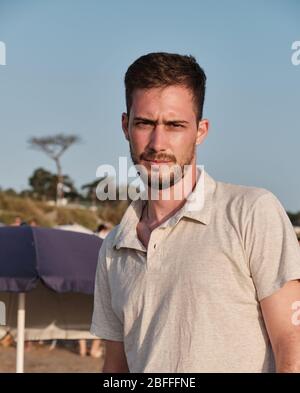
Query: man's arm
[(282, 318), (115, 358)]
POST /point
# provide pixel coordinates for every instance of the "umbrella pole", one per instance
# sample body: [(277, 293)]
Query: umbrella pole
[(20, 333)]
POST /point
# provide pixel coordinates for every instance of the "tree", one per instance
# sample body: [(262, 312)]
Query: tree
[(295, 218), (11, 192), (44, 184), (91, 190), (54, 147)]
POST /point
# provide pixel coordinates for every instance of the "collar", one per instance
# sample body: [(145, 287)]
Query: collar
[(198, 207)]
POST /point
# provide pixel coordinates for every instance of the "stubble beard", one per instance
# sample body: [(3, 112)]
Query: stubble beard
[(158, 181)]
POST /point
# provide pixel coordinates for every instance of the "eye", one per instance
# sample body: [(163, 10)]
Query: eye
[(143, 124), (175, 125)]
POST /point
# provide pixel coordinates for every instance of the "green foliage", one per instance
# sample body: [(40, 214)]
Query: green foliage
[(55, 145), (295, 218), (44, 185)]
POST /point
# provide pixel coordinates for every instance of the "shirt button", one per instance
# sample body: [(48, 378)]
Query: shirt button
[(154, 246)]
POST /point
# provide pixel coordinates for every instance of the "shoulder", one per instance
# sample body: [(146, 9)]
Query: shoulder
[(236, 191), (243, 196), (239, 203)]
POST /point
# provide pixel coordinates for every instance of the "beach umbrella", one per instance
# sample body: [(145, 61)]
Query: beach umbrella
[(63, 261), (75, 228)]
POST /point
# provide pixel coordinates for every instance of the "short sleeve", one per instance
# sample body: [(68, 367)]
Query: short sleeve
[(271, 245), (105, 323)]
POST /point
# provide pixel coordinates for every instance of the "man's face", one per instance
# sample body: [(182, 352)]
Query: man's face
[(163, 131)]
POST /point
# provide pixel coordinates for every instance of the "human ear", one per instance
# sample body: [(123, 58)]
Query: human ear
[(202, 131), (125, 122)]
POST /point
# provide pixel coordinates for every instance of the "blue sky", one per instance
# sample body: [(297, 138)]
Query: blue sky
[(66, 62)]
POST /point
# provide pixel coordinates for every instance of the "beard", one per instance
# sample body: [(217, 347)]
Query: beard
[(161, 176)]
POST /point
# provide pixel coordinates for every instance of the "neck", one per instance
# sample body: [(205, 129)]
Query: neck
[(161, 208)]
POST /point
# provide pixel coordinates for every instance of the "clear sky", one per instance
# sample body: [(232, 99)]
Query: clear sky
[(66, 62)]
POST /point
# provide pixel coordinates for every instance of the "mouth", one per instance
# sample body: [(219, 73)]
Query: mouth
[(158, 161)]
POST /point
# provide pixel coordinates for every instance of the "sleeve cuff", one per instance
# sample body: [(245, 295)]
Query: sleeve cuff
[(104, 334), (261, 294)]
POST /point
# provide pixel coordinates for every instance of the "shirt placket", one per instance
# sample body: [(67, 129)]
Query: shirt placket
[(154, 250)]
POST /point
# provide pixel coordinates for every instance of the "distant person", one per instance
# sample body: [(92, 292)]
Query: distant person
[(17, 222), (33, 222), (102, 231)]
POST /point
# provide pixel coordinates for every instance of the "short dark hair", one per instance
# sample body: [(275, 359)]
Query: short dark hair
[(101, 227), (161, 69)]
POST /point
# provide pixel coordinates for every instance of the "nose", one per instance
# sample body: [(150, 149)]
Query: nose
[(158, 140)]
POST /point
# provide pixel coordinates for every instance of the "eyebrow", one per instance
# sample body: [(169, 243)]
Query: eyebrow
[(150, 121)]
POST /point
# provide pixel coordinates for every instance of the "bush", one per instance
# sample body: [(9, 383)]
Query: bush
[(49, 216)]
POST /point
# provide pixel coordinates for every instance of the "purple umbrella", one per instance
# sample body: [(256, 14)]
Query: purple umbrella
[(64, 261)]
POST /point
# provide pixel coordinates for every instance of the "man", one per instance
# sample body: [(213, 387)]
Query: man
[(179, 289)]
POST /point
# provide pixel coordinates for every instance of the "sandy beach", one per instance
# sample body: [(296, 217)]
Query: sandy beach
[(62, 359)]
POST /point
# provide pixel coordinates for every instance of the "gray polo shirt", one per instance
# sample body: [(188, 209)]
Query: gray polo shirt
[(190, 302)]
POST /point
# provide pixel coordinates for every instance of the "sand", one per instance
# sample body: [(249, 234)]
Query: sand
[(39, 359)]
